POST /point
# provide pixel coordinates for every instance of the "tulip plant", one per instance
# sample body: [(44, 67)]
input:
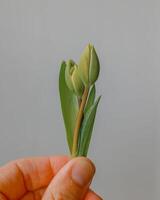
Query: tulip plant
[(77, 95)]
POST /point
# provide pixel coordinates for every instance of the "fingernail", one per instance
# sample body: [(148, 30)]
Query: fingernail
[(82, 171)]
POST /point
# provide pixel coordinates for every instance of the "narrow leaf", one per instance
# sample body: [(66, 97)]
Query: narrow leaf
[(90, 102), (91, 98), (86, 129), (69, 105)]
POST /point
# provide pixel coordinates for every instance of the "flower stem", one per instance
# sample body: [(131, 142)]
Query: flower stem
[(78, 122)]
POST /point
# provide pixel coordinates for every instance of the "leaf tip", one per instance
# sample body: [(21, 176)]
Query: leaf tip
[(98, 99)]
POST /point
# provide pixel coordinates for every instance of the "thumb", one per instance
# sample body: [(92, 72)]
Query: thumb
[(72, 181)]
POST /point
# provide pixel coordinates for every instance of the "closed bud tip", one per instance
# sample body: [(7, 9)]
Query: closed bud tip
[(89, 65)]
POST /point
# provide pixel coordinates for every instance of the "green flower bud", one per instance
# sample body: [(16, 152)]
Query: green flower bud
[(89, 65), (73, 79)]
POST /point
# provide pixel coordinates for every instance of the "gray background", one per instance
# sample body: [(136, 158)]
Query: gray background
[(35, 35)]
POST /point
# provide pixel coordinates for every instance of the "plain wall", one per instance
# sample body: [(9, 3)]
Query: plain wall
[(35, 35)]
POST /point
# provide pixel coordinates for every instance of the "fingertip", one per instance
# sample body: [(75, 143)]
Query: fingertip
[(73, 180), (83, 170), (86, 159)]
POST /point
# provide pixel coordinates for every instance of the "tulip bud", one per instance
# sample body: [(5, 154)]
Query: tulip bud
[(72, 78), (89, 65)]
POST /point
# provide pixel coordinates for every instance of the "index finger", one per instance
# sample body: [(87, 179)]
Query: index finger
[(30, 174)]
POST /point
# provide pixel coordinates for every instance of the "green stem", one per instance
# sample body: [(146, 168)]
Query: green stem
[(78, 122)]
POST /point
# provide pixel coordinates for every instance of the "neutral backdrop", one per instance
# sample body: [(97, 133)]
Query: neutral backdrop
[(35, 36)]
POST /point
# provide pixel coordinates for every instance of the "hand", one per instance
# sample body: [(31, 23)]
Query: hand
[(47, 178)]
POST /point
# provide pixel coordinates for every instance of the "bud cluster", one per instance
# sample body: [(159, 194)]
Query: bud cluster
[(85, 73)]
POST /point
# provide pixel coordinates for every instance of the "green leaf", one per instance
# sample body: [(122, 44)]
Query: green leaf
[(91, 98), (86, 129), (90, 102), (69, 105)]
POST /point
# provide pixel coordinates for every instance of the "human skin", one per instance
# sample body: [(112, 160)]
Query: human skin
[(47, 178)]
